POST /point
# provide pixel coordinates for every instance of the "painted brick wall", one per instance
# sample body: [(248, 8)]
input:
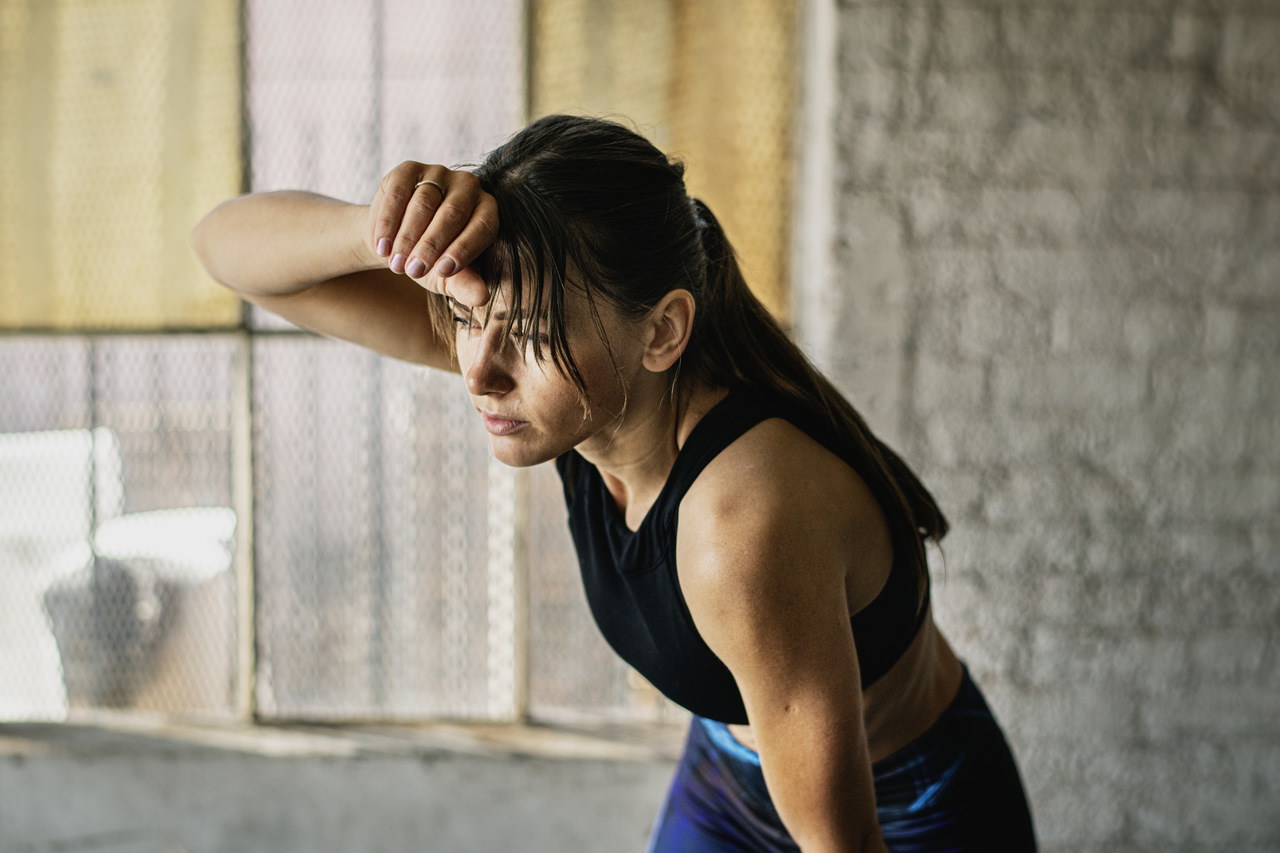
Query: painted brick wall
[(1057, 290)]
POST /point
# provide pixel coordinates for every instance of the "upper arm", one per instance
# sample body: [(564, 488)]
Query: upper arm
[(763, 570)]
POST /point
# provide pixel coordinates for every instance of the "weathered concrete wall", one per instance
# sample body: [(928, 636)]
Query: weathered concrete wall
[(1057, 288)]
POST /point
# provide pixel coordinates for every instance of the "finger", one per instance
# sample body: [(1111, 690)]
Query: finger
[(477, 235), (420, 207), (449, 219), (468, 287), (394, 193)]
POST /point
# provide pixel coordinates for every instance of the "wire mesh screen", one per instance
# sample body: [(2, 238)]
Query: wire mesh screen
[(373, 532), (713, 82), (119, 124), (340, 91), (380, 588), (116, 533), (399, 571)]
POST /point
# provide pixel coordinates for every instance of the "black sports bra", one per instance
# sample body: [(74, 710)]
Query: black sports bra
[(634, 593)]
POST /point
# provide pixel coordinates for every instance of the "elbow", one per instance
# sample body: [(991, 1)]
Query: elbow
[(841, 836), (204, 244), (842, 840), (201, 238), (873, 842), (199, 241)]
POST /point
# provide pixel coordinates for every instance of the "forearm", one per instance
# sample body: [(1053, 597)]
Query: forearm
[(827, 809), (270, 244), (871, 843)]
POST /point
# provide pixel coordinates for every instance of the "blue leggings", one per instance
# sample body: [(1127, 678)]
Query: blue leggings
[(956, 788)]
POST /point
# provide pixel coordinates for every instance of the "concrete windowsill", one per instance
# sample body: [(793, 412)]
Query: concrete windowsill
[(129, 784), (110, 733)]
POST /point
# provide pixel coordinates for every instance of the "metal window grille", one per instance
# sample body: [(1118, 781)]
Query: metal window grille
[(116, 536), (398, 572), (379, 586)]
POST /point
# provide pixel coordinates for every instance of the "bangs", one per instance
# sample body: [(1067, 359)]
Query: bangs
[(534, 276)]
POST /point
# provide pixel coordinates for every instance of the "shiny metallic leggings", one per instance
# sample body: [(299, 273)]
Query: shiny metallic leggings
[(956, 788)]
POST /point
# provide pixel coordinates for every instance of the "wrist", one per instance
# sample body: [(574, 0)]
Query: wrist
[(362, 252)]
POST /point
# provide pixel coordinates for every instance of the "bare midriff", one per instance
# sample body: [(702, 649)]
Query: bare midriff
[(907, 700)]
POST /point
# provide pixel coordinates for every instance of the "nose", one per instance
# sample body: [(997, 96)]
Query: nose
[(488, 374)]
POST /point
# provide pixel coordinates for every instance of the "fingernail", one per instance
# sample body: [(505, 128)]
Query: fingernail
[(384, 247), (397, 263), (445, 267), (416, 268)]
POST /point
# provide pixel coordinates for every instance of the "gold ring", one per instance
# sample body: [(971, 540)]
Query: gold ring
[(431, 183)]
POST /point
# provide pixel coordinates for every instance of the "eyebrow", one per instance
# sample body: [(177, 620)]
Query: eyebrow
[(458, 308), (497, 316)]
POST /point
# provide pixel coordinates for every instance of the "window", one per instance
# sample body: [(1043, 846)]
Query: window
[(210, 511)]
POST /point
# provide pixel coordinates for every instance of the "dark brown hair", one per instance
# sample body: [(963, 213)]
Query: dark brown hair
[(594, 199)]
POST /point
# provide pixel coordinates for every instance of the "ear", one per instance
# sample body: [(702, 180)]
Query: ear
[(667, 330)]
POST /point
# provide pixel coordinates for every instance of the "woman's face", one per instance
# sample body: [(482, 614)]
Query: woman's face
[(531, 410)]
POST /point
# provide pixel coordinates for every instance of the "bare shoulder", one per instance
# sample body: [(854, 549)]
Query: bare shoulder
[(776, 473), (777, 503)]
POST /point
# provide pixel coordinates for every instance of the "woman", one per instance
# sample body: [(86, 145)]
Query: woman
[(745, 542)]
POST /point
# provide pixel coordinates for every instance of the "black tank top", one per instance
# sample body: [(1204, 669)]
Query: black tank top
[(634, 593)]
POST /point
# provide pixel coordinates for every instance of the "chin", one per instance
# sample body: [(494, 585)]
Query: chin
[(509, 452)]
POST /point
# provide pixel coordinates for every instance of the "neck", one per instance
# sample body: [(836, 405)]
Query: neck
[(636, 455)]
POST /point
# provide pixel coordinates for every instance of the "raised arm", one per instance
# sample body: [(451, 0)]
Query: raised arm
[(764, 571), (361, 273)]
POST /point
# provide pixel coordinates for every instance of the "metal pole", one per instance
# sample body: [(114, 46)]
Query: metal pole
[(242, 503)]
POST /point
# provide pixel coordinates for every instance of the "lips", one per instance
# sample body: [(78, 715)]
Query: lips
[(502, 426)]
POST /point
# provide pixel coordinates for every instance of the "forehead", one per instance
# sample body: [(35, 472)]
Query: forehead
[(577, 306)]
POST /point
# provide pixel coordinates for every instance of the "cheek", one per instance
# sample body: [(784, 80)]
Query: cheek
[(466, 347), (550, 390), (606, 393)]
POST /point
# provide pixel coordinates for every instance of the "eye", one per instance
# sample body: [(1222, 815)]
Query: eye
[(463, 317), (540, 338)]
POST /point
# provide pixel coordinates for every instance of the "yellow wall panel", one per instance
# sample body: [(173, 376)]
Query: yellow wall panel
[(606, 58), (713, 82), (121, 126), (732, 115)]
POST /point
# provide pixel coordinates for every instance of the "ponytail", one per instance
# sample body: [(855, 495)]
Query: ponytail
[(736, 341)]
